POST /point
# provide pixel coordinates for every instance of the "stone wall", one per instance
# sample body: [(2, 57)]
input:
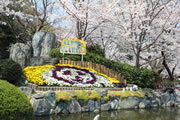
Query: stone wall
[(45, 104)]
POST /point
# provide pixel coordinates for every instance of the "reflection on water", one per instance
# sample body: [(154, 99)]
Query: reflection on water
[(139, 114)]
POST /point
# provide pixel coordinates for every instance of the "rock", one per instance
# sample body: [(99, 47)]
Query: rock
[(51, 98), (96, 111), (97, 104), (158, 94), (106, 107), (58, 110), (21, 53), (102, 100), (40, 105), (165, 97), (102, 92), (26, 90), (142, 105), (158, 100), (52, 111), (130, 102), (74, 107), (91, 105), (145, 102), (154, 104), (111, 96), (171, 103), (114, 104), (62, 107), (148, 93), (42, 43), (169, 90), (34, 61), (147, 90), (178, 86), (38, 96), (177, 94)]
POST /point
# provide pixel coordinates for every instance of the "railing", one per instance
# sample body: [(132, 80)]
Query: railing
[(56, 88), (97, 67)]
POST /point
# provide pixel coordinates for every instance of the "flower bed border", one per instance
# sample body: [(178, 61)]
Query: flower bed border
[(56, 88)]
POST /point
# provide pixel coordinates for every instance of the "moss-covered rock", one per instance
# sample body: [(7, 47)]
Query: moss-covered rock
[(14, 105)]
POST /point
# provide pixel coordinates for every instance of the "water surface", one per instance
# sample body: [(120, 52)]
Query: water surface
[(139, 114)]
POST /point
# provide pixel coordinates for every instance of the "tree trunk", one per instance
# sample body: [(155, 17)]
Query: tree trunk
[(138, 59), (167, 67)]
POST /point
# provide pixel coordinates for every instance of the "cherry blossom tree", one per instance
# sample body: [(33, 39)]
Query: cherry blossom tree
[(84, 16), (143, 23), (29, 16)]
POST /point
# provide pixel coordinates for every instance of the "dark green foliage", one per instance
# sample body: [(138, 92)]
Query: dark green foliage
[(142, 77), (10, 71), (6, 38), (14, 104), (96, 49)]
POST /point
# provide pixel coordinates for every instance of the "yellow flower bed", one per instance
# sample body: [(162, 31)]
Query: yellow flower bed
[(113, 80), (34, 73)]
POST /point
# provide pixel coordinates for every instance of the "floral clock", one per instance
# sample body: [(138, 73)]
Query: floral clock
[(67, 75)]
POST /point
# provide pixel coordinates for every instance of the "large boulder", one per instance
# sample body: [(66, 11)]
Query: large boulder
[(62, 107), (106, 107), (42, 43), (114, 104), (165, 98), (177, 93), (74, 107), (91, 105), (40, 105), (21, 53), (51, 98), (130, 102)]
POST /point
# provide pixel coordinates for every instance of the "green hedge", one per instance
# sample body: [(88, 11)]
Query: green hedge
[(10, 71), (14, 105), (142, 77)]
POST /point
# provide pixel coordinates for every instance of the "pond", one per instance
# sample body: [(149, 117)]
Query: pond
[(138, 114)]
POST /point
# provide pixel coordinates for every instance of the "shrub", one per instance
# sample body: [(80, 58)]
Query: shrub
[(125, 94), (10, 71), (86, 95), (96, 49), (63, 95), (14, 104), (81, 95), (142, 77)]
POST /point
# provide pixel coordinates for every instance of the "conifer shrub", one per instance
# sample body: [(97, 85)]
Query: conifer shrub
[(10, 70), (14, 105)]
